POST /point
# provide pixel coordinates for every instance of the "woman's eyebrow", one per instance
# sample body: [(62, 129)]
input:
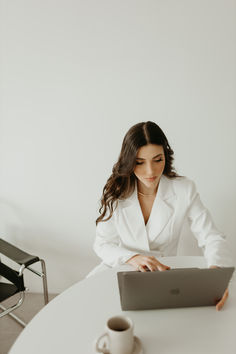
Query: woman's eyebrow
[(140, 158)]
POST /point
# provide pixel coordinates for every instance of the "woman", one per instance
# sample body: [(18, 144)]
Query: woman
[(144, 205)]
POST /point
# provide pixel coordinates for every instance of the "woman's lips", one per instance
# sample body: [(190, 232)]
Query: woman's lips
[(151, 179)]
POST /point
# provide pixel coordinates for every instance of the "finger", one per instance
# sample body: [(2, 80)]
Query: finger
[(152, 266), (162, 267), (220, 304), (142, 268), (149, 267)]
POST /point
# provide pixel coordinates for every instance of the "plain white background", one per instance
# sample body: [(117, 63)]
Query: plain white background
[(75, 76)]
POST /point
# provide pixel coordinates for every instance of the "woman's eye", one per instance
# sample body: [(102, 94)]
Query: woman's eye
[(140, 163)]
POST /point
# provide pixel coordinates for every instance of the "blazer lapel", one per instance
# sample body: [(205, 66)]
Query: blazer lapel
[(135, 222), (161, 212), (162, 209)]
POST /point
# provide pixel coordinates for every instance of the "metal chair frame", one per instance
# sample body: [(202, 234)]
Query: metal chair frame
[(24, 260)]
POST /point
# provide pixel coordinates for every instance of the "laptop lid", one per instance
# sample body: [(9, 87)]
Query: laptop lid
[(183, 287)]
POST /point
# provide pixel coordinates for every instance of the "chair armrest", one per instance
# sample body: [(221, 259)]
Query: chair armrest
[(13, 276), (16, 254)]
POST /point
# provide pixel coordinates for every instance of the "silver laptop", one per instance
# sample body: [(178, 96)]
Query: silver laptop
[(183, 287)]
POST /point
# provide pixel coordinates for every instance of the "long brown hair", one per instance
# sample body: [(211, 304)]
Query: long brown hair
[(121, 183)]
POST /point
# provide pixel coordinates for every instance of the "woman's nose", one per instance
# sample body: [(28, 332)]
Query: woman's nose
[(149, 170)]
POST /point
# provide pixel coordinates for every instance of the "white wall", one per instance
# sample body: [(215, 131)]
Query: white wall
[(75, 75)]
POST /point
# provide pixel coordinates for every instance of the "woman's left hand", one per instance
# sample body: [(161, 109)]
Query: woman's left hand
[(220, 304)]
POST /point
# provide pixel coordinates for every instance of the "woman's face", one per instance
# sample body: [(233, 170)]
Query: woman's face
[(150, 164)]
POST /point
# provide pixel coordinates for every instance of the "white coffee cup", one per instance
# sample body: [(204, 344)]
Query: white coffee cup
[(120, 338)]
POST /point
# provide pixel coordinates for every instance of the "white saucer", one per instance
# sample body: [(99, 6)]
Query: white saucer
[(138, 348)]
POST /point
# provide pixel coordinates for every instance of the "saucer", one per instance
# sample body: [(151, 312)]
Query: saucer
[(138, 348)]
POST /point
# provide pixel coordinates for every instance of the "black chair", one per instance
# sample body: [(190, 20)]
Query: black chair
[(15, 278)]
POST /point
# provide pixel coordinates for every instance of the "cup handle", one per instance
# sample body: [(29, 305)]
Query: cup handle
[(101, 350)]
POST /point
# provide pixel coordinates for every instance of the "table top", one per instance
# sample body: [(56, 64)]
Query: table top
[(72, 321)]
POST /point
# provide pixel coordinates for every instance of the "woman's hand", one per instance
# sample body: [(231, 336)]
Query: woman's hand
[(146, 263), (220, 304)]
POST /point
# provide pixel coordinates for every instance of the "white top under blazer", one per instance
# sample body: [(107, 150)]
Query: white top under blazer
[(125, 233)]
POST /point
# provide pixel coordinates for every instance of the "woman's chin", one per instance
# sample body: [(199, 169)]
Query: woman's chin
[(150, 183)]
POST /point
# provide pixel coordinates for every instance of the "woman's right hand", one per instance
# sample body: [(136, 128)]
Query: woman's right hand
[(146, 263)]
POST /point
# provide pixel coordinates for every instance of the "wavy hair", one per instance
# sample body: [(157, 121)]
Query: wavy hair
[(121, 183)]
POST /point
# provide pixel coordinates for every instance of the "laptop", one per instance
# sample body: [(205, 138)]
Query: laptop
[(179, 287)]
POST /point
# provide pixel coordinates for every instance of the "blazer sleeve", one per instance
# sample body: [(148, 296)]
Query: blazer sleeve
[(210, 239), (108, 245)]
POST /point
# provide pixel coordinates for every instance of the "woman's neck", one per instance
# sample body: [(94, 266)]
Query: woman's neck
[(146, 190)]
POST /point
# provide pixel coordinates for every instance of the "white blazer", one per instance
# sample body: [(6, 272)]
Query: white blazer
[(126, 234)]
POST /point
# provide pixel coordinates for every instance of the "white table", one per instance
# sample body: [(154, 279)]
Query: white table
[(73, 320)]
